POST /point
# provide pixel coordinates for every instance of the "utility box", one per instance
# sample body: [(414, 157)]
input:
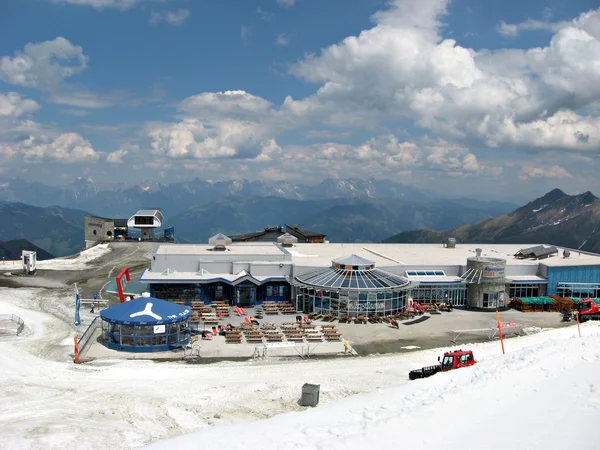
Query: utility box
[(310, 395), (28, 260)]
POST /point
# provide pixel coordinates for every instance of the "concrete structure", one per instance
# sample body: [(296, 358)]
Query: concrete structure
[(486, 281), (257, 272), (100, 229), (146, 221)]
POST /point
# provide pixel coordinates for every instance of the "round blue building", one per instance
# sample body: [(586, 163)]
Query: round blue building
[(145, 324)]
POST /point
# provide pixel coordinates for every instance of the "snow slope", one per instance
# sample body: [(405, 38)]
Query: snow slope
[(46, 401), (543, 395)]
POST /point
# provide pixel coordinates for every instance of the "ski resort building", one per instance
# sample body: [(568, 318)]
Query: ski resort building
[(354, 279)]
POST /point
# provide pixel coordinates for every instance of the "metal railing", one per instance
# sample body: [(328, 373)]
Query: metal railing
[(87, 335), (13, 318)]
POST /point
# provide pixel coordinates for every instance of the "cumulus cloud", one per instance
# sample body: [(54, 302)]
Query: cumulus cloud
[(195, 139), (65, 148), (12, 105), (171, 17), (117, 156), (402, 69), (43, 65)]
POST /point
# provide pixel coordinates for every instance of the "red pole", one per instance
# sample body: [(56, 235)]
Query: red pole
[(578, 327), (500, 330), (76, 350)]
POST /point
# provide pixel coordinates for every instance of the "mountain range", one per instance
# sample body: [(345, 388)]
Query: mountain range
[(342, 219), (556, 218), (60, 230), (123, 200)]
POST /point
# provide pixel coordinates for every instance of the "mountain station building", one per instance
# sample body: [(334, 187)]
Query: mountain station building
[(355, 279)]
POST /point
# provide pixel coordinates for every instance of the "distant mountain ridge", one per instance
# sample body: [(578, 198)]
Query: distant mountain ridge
[(556, 218), (341, 219), (60, 230), (12, 250), (57, 230), (122, 200)]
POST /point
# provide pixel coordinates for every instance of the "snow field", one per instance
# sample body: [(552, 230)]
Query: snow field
[(543, 395), (80, 262)]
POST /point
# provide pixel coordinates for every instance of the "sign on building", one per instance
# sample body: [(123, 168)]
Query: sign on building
[(493, 272)]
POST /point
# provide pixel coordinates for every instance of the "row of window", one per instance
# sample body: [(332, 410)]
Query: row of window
[(578, 290), (425, 273)]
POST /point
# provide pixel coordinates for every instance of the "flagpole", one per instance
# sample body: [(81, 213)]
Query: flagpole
[(77, 306)]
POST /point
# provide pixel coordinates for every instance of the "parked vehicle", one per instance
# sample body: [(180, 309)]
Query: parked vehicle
[(588, 310), (452, 360)]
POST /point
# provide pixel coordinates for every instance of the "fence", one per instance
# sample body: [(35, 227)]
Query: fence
[(87, 335), (13, 318)]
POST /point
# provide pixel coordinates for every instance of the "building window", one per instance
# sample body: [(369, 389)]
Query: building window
[(94, 232), (578, 290), (439, 293), (519, 290)]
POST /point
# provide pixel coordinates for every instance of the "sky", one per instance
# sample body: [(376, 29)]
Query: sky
[(468, 97)]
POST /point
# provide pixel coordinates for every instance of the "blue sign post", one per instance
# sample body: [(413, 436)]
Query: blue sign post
[(77, 305)]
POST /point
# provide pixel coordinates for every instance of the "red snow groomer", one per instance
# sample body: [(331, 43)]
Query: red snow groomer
[(452, 360), (588, 310)]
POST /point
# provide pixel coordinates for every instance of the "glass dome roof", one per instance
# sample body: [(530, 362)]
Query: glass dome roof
[(352, 272)]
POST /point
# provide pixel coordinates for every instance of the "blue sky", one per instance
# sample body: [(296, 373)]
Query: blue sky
[(459, 96)]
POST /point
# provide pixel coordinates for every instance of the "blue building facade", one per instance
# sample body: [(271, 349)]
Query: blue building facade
[(573, 281)]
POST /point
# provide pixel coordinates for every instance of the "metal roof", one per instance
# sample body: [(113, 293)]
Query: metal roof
[(302, 231), (352, 279), (145, 311), (538, 252), (354, 260), (147, 212)]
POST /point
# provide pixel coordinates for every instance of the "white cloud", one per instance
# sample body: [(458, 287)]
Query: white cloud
[(554, 172), (233, 104), (117, 156), (403, 70), (282, 39), (171, 17), (84, 99), (513, 30), (43, 65), (286, 3), (101, 4), (193, 139), (12, 105), (65, 148)]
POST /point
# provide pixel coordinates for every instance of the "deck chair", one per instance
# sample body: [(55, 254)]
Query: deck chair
[(220, 313), (247, 320)]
